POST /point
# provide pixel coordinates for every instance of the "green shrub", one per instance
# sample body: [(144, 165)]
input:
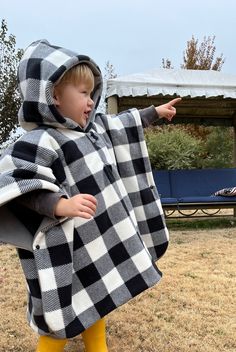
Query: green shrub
[(218, 148), (180, 147), (173, 148)]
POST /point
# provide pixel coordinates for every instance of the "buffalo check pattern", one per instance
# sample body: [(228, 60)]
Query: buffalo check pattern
[(79, 270)]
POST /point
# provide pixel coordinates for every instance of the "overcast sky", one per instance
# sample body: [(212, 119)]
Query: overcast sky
[(133, 35)]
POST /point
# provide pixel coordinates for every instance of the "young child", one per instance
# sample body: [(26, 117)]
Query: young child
[(78, 200)]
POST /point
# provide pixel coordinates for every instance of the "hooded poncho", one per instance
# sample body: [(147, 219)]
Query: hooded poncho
[(78, 270)]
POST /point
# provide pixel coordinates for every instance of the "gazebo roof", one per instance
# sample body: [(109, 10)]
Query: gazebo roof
[(192, 83)]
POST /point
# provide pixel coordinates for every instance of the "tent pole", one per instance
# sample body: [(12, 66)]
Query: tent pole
[(112, 105)]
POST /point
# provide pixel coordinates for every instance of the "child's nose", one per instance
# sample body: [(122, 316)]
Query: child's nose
[(90, 102)]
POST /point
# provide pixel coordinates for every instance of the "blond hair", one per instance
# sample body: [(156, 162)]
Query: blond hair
[(81, 73)]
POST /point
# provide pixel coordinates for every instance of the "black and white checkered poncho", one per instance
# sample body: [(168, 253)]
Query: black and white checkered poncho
[(79, 270)]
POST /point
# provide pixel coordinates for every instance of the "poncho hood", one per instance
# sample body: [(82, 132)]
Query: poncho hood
[(41, 66)]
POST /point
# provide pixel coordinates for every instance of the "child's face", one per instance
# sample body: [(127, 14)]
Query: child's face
[(74, 101)]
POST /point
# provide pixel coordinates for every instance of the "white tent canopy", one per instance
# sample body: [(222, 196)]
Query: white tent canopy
[(192, 83)]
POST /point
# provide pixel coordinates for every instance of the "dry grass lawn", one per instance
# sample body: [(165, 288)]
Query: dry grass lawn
[(192, 309)]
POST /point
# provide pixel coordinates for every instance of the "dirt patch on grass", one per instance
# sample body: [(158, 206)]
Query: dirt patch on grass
[(192, 309)]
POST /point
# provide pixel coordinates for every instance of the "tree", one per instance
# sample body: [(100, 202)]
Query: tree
[(202, 57), (199, 56), (166, 63), (9, 95), (109, 73)]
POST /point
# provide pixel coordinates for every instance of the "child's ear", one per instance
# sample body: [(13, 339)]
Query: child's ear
[(56, 99)]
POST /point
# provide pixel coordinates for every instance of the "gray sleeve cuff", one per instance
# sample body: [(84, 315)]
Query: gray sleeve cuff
[(41, 201), (148, 116)]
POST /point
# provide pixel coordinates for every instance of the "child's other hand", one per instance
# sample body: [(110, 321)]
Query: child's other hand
[(167, 110), (82, 205)]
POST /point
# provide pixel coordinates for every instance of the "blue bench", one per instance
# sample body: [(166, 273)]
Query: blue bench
[(194, 189)]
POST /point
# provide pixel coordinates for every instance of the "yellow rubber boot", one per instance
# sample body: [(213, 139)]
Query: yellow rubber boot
[(95, 337), (49, 344)]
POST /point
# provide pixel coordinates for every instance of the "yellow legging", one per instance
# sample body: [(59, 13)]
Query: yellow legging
[(49, 344), (95, 337), (94, 340)]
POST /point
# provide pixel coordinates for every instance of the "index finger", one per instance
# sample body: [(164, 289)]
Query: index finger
[(175, 101)]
